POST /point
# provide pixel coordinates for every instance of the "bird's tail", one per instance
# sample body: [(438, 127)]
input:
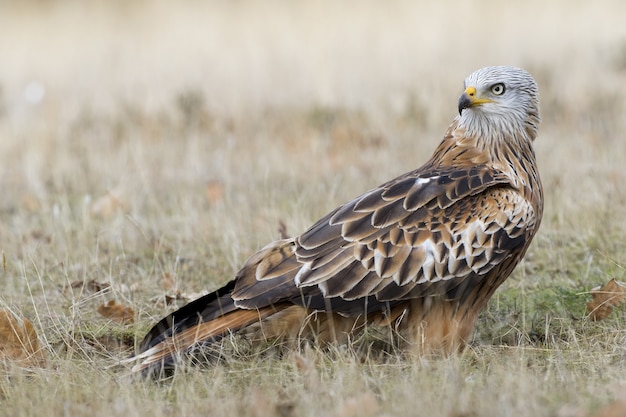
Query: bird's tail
[(206, 319)]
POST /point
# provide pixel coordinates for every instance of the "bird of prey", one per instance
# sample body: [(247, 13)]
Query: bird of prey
[(422, 253)]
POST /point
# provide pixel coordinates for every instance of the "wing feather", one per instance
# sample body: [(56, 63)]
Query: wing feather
[(395, 241), (388, 215), (346, 281)]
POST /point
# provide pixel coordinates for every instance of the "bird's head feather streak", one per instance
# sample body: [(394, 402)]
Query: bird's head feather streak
[(500, 99)]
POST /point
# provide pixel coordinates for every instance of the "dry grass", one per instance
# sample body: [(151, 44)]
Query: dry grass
[(171, 141)]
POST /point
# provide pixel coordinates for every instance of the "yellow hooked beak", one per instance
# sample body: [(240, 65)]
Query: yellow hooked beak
[(469, 99)]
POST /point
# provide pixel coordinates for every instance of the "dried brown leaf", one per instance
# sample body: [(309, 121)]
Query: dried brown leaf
[(214, 191), (18, 341), (117, 312), (603, 299), (167, 299), (31, 203), (171, 299), (109, 204), (167, 282)]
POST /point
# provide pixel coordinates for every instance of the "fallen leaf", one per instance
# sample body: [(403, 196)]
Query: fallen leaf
[(117, 312), (214, 191), (167, 282), (18, 341), (167, 299), (109, 204), (31, 203), (604, 299)]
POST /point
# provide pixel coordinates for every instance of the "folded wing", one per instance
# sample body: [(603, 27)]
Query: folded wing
[(393, 243)]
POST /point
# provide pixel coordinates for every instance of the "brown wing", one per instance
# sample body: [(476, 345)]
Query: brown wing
[(393, 242)]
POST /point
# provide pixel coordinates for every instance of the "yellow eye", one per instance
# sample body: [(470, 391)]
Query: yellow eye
[(497, 89)]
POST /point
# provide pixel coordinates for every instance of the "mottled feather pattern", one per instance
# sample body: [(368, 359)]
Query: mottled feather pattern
[(421, 229), (422, 253)]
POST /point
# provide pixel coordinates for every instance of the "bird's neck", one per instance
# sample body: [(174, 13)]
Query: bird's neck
[(506, 152)]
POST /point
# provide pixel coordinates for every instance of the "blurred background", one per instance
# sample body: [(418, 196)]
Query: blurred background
[(168, 112), (244, 55)]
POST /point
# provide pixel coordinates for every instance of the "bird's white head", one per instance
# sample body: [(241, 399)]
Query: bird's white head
[(500, 102)]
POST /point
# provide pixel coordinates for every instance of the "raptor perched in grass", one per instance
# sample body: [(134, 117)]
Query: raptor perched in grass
[(423, 252)]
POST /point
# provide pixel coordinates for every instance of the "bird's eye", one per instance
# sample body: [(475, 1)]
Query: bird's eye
[(497, 89)]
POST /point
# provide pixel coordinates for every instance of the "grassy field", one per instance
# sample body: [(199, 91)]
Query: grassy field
[(147, 149)]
